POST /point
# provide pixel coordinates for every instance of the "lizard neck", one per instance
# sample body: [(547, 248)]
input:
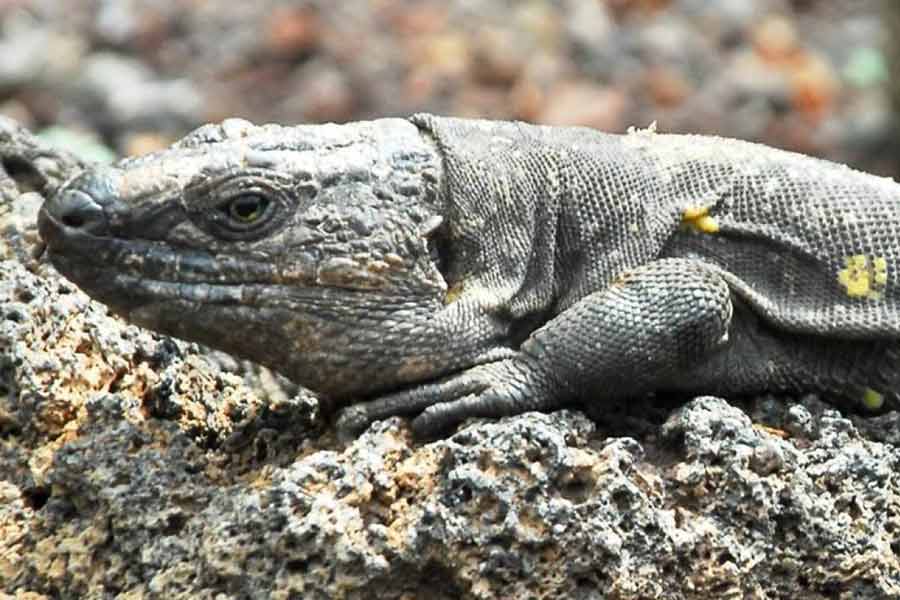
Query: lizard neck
[(538, 217)]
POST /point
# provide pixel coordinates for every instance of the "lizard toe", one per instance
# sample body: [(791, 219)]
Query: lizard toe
[(493, 389), (508, 387), (355, 418)]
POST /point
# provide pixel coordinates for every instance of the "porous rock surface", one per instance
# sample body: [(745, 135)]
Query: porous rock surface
[(137, 466)]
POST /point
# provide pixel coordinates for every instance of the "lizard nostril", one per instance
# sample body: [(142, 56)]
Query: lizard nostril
[(77, 210), (73, 220)]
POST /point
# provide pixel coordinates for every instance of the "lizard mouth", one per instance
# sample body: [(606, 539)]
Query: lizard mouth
[(78, 255), (129, 274)]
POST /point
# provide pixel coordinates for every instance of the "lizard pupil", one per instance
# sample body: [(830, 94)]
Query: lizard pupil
[(247, 208)]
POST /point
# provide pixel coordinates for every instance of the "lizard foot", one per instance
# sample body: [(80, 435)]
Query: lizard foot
[(496, 389)]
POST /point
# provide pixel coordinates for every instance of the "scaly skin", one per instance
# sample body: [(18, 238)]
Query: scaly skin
[(448, 268)]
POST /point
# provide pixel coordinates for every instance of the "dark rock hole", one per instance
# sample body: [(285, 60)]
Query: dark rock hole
[(465, 493), (437, 577), (23, 173), (24, 295), (262, 450), (117, 380), (725, 557), (832, 589), (297, 566), (576, 491), (37, 497), (175, 522), (622, 499), (159, 400)]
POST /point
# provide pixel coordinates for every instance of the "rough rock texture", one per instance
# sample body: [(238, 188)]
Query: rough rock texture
[(134, 465)]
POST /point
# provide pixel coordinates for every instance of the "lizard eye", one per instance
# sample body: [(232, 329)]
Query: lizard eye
[(247, 208), (242, 207), (246, 212)]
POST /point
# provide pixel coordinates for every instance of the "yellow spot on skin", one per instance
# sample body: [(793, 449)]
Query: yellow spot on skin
[(692, 213), (879, 265), (863, 277), (698, 217), (706, 224), (453, 293), (872, 400)]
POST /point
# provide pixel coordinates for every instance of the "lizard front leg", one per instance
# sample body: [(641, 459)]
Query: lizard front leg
[(626, 340)]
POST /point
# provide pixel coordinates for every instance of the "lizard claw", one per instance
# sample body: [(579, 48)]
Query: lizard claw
[(494, 389), (351, 422)]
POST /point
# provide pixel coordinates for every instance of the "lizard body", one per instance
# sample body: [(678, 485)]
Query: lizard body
[(449, 268)]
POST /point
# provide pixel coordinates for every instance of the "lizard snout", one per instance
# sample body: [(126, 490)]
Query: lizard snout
[(81, 206), (75, 209)]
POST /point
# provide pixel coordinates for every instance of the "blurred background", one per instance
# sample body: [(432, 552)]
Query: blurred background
[(130, 76)]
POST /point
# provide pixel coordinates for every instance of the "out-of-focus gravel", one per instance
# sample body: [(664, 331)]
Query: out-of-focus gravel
[(806, 75)]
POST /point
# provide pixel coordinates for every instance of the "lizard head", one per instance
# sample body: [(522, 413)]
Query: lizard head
[(308, 249)]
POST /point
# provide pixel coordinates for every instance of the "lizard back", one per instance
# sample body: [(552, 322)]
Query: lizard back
[(547, 216)]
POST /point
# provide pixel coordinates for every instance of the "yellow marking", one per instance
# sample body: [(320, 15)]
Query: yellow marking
[(855, 277), (454, 293), (863, 277), (698, 217), (879, 265), (692, 213), (872, 399), (706, 224)]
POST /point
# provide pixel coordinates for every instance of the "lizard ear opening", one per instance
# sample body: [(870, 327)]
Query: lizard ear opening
[(437, 236)]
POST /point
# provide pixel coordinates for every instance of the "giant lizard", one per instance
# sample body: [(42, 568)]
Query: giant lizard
[(447, 268)]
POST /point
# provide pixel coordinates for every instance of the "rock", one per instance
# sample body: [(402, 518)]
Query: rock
[(35, 53), (581, 103), (292, 32), (775, 39), (134, 464), (134, 98)]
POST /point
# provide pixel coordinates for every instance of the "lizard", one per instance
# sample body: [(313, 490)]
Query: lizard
[(444, 268)]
